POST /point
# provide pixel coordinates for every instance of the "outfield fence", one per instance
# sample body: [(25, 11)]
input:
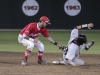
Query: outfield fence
[(48, 30)]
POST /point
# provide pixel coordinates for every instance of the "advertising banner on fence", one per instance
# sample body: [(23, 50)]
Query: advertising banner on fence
[(63, 14)]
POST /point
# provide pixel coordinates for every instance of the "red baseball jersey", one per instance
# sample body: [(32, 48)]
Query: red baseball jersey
[(32, 30)]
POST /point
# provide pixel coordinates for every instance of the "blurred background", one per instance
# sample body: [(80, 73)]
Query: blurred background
[(63, 14)]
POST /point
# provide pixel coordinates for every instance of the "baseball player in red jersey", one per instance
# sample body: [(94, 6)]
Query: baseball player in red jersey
[(29, 38)]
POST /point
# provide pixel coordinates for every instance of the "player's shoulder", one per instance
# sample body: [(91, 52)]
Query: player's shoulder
[(43, 29), (73, 46), (34, 24), (75, 30)]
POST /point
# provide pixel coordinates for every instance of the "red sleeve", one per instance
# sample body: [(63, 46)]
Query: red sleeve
[(45, 33), (28, 29)]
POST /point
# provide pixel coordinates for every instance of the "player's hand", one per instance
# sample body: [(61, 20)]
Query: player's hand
[(59, 45), (63, 48), (91, 43), (90, 25), (36, 40)]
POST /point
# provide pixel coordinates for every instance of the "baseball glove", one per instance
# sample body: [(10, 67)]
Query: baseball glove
[(63, 48), (91, 43)]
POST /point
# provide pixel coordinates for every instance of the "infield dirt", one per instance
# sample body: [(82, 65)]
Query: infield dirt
[(10, 64)]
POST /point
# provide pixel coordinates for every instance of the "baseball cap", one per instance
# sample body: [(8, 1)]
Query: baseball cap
[(45, 19)]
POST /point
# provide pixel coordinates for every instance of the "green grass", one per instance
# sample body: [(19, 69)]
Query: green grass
[(9, 41)]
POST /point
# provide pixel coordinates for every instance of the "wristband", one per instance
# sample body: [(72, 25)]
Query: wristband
[(55, 43), (84, 25), (31, 39)]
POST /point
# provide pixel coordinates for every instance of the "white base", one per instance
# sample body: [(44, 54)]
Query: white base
[(58, 62)]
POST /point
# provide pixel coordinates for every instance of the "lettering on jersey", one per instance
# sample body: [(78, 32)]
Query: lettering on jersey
[(34, 35), (27, 31)]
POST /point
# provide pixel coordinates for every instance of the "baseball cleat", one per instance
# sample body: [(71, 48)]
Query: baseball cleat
[(24, 63), (42, 62)]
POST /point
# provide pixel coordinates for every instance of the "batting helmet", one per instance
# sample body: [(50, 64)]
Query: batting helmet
[(45, 19), (81, 39)]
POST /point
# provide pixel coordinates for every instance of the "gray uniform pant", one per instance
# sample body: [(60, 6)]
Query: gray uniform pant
[(76, 61)]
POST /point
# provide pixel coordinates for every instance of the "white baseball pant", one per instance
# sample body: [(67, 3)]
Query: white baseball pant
[(76, 61), (30, 45)]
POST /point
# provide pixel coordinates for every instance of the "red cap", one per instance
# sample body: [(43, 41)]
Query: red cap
[(45, 19)]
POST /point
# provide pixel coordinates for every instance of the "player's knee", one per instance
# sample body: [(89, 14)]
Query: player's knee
[(40, 46), (82, 62), (30, 47), (79, 62)]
